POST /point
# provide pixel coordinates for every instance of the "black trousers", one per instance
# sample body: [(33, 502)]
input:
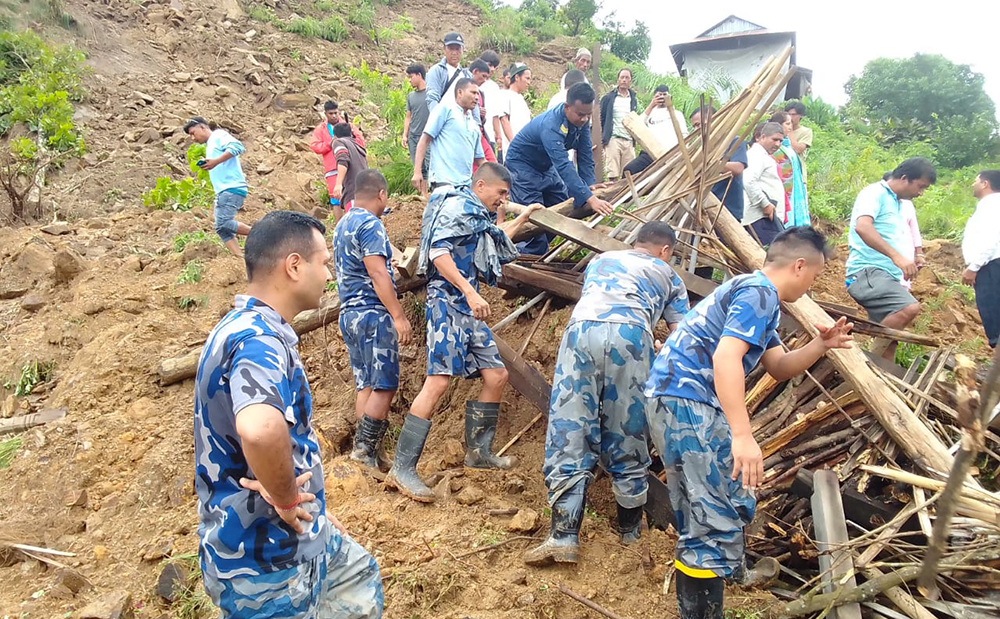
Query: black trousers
[(988, 299), (639, 164)]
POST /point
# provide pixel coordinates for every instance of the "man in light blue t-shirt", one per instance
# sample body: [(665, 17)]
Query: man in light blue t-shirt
[(453, 137), (222, 162), (877, 261)]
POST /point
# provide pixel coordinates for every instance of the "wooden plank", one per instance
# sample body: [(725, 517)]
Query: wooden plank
[(835, 561), (525, 378), (868, 327), (26, 422), (543, 281), (596, 136), (578, 232)]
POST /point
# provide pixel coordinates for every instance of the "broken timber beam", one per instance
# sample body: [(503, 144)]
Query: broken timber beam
[(525, 378), (544, 281), (26, 422), (578, 232), (835, 562), (907, 430)]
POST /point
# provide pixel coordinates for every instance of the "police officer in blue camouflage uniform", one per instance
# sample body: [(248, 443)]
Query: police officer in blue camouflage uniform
[(597, 406), (459, 243), (538, 160), (698, 418), (268, 547), (372, 321)]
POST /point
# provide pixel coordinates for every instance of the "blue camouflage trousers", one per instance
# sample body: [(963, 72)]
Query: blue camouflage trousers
[(343, 583), (372, 347), (711, 509), (597, 410), (458, 344)]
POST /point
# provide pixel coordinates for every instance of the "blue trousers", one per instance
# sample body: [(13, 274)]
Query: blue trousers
[(529, 186), (597, 410)]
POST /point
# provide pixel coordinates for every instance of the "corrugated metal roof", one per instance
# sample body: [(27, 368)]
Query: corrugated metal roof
[(730, 25)]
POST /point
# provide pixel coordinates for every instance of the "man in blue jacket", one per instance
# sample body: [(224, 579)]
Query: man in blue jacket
[(539, 164)]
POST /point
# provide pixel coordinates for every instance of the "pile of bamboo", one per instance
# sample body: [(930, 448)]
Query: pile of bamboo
[(857, 452)]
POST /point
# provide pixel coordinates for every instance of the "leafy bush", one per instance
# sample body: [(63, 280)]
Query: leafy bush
[(9, 449), (505, 33), (331, 28), (631, 46), (387, 154), (191, 273), (185, 194)]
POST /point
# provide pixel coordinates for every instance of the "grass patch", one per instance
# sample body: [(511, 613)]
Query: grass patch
[(33, 373), (187, 303), (192, 602), (9, 449), (191, 273), (182, 240), (330, 28)]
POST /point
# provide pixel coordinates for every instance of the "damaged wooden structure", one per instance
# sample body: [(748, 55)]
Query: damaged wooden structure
[(857, 452)]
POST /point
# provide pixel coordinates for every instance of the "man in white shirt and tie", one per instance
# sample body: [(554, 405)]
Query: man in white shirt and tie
[(981, 249)]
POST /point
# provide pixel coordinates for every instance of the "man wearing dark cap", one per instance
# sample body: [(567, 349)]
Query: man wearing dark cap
[(443, 76)]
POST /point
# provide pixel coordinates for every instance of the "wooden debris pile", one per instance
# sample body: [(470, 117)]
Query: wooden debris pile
[(857, 450)]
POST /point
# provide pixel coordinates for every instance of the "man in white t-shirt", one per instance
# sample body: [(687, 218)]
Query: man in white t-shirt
[(514, 113), (572, 77), (657, 118), (491, 95)]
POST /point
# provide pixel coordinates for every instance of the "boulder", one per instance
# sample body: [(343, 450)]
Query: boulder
[(293, 101), (172, 582), (57, 228), (33, 302)]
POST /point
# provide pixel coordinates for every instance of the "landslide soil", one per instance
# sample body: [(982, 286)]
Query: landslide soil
[(112, 481)]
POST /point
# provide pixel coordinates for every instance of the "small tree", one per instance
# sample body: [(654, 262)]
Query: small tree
[(633, 46), (577, 15)]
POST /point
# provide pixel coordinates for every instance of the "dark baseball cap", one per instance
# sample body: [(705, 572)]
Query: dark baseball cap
[(517, 68), (454, 38)]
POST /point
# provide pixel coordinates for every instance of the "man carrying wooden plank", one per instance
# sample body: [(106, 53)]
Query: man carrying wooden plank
[(372, 321), (268, 546), (698, 417), (539, 163), (597, 406), (459, 243)]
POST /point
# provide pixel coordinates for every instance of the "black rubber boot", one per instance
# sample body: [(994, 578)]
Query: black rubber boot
[(403, 474), (480, 428), (629, 524), (699, 598), (368, 439), (563, 543)]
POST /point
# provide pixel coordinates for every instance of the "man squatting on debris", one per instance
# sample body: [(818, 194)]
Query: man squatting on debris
[(597, 406), (268, 546), (697, 414), (459, 243)]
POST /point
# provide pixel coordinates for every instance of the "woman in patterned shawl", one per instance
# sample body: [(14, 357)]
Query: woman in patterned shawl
[(796, 200)]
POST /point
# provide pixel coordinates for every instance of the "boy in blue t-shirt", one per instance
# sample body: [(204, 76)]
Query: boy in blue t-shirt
[(698, 418), (372, 321), (597, 406), (222, 162)]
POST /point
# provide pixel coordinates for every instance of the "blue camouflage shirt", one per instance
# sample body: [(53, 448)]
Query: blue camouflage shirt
[(631, 287), (745, 307), (250, 358), (463, 252), (358, 235)]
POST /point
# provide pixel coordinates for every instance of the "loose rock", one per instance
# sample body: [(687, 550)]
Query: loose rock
[(172, 582), (525, 520), (470, 495), (114, 605), (68, 264), (57, 228), (33, 302)]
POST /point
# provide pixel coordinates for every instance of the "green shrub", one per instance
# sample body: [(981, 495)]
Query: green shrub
[(505, 33), (182, 240), (191, 273), (330, 28), (185, 194), (33, 373)]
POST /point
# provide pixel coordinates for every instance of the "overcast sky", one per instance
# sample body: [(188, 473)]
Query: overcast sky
[(836, 39)]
